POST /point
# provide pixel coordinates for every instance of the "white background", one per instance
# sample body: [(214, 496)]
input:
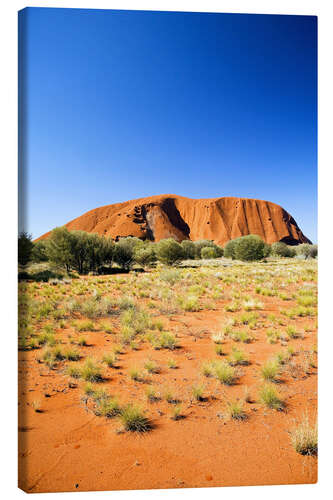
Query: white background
[(8, 223)]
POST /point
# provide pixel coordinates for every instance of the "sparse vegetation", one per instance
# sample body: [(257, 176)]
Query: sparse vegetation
[(304, 438), (218, 318), (235, 410), (197, 392), (270, 397), (224, 373), (270, 370), (134, 420)]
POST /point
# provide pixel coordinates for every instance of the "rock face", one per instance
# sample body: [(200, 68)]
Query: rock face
[(217, 219)]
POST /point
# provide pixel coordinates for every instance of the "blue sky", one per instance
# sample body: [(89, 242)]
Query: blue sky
[(120, 105)]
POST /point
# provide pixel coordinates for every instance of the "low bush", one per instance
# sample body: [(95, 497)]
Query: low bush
[(224, 373), (169, 251), (145, 256), (235, 410), (270, 397), (208, 253), (134, 420), (270, 370), (189, 249), (201, 244), (107, 407), (304, 438), (91, 371), (280, 249), (307, 251)]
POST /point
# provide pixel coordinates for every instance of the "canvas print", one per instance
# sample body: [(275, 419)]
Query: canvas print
[(167, 246)]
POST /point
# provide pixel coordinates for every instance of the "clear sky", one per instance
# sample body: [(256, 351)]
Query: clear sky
[(120, 105)]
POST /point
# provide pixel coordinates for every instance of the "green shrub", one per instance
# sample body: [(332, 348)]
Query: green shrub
[(124, 252), (280, 249), (200, 244), (25, 247), (251, 248), (145, 256), (169, 251), (208, 253), (313, 251), (188, 249), (229, 249), (39, 251), (306, 250), (60, 247)]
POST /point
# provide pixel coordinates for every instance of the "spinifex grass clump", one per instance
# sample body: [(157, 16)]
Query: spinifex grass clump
[(170, 397), (172, 364), (152, 395), (291, 332), (136, 320), (224, 373), (151, 366), (176, 413), (282, 357), (304, 438), (89, 389), (110, 360), (219, 350), (71, 354), (166, 340), (91, 371), (136, 375), (107, 407), (84, 326), (197, 392), (232, 307), (106, 327), (46, 339), (270, 397), (134, 420), (208, 368), (235, 410), (127, 334), (238, 357), (218, 338), (249, 318), (241, 336), (270, 370), (72, 370), (272, 336), (252, 304)]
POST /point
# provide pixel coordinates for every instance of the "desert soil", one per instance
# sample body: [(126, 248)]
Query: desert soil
[(65, 446)]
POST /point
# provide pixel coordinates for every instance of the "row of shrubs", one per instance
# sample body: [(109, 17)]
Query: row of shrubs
[(252, 247), (86, 252)]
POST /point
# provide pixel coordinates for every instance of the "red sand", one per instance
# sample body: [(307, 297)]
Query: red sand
[(68, 448)]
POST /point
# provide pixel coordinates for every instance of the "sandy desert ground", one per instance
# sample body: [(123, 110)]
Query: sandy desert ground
[(221, 362)]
